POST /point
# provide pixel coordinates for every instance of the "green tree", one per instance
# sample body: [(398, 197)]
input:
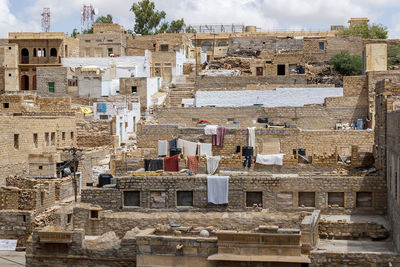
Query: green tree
[(190, 29), (346, 64), (163, 28), (368, 31), (74, 33), (176, 26), (105, 19), (393, 54), (147, 18)]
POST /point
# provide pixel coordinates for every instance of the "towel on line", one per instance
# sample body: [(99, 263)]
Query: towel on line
[(273, 159), (162, 147), (252, 136), (210, 130), (217, 189), (171, 164), (218, 140), (212, 164), (205, 149), (192, 163)]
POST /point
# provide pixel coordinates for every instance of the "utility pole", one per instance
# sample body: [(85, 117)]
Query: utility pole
[(76, 157)]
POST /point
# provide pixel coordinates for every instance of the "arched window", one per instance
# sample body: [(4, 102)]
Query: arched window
[(53, 52), (34, 52), (44, 52), (40, 52), (223, 43), (206, 46), (24, 56)]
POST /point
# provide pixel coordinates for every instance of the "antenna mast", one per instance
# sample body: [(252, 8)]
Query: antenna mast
[(46, 19)]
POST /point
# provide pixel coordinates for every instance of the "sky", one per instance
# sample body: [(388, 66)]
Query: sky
[(25, 15)]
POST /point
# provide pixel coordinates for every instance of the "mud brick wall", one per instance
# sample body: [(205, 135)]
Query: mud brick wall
[(95, 140), (278, 193)]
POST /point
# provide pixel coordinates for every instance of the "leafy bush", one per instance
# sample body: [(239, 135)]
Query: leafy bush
[(346, 64), (368, 31)]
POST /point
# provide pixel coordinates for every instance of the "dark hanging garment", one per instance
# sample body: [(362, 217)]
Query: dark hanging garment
[(237, 149), (157, 164), (172, 143), (147, 164)]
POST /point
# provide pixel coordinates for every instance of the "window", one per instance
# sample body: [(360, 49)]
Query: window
[(94, 214), (53, 52), (281, 70), (69, 218), (63, 136), (51, 87), (9, 75), (35, 140), (72, 137), (47, 139), (259, 71), (184, 198), (53, 138), (321, 46), (87, 41), (103, 117), (110, 41), (254, 199), (364, 199), (131, 198), (306, 199), (110, 51), (164, 47), (16, 141), (133, 89), (6, 105), (336, 199)]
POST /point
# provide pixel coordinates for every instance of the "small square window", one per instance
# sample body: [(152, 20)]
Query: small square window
[(336, 199), (184, 198), (307, 199), (164, 47), (321, 46), (94, 214), (40, 167), (69, 218), (132, 198), (9, 75), (9, 48), (364, 199), (6, 105), (253, 199), (133, 89)]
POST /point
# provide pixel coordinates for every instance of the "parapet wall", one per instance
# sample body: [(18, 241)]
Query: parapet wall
[(276, 193)]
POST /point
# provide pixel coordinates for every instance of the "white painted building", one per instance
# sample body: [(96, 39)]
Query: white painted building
[(281, 97), (126, 116)]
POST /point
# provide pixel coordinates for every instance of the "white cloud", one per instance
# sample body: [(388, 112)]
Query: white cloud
[(10, 23)]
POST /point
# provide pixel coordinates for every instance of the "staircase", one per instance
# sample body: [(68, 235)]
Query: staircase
[(176, 94)]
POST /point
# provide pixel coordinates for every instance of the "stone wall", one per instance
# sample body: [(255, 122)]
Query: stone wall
[(352, 230), (121, 222), (15, 225), (313, 117), (281, 193), (56, 75), (208, 82), (347, 259), (316, 143)]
